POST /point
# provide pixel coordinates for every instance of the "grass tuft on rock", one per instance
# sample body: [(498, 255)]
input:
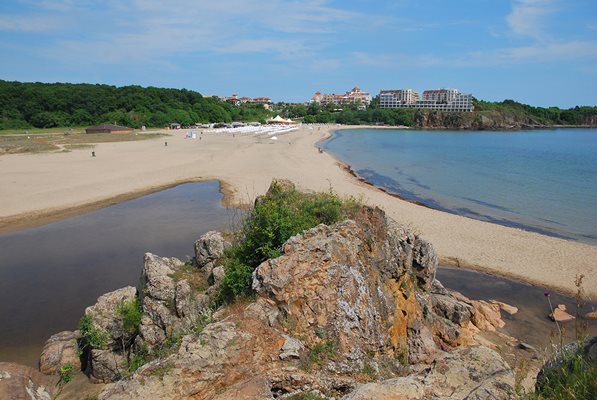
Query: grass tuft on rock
[(283, 212)]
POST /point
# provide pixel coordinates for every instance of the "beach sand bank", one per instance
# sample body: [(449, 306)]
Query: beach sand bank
[(39, 188)]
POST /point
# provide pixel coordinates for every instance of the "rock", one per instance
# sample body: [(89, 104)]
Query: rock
[(526, 346), (218, 274), (507, 308), (104, 316), (264, 311), (156, 281), (487, 315), (448, 307), (356, 284), (208, 249), (207, 364), (150, 334), (291, 348), (591, 315), (560, 315), (107, 366), (468, 373), (19, 382), (60, 349), (183, 300)]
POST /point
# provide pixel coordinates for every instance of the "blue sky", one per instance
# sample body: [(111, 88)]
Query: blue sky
[(540, 52)]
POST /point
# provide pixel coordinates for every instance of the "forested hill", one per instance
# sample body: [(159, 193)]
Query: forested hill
[(47, 105)]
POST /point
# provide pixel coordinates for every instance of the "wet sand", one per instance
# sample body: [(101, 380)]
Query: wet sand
[(41, 187)]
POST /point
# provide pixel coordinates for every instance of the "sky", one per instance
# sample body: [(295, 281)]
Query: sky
[(539, 52)]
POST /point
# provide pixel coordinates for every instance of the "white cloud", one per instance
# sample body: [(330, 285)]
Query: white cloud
[(564, 51), (29, 23), (146, 29), (527, 17), (570, 51)]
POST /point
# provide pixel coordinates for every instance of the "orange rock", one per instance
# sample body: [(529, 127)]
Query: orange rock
[(507, 308), (591, 315), (560, 315)]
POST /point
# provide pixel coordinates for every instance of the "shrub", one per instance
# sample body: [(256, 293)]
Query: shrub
[(575, 378), (280, 214), (94, 337), (130, 313)]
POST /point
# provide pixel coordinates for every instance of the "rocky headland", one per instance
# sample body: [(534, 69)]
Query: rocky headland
[(489, 120), (348, 311)]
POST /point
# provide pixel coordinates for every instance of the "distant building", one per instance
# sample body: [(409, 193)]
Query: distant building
[(108, 129), (174, 125), (394, 98), (234, 100), (438, 99), (266, 102), (356, 95)]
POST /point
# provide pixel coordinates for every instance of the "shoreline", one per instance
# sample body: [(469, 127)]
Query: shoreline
[(245, 166)]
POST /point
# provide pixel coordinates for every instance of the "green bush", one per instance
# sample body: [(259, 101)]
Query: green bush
[(95, 337), (280, 214), (130, 313), (574, 379)]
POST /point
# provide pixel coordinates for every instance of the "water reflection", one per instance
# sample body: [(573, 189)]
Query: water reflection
[(49, 274)]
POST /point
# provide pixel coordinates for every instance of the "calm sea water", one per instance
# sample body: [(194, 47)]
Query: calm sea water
[(540, 180), (49, 274)]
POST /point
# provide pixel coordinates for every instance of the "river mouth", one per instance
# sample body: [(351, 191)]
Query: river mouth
[(531, 324), (51, 273)]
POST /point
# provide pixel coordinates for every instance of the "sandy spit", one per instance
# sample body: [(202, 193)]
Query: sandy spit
[(36, 189)]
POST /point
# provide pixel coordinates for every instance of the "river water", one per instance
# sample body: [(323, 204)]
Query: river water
[(49, 274), (539, 180)]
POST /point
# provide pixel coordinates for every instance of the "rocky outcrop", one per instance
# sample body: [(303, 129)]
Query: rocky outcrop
[(469, 373), (105, 319), (208, 249), (359, 297), (60, 349), (343, 305), (18, 382), (358, 286)]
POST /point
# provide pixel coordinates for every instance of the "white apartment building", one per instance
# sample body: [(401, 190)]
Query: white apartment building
[(439, 99), (440, 95), (393, 98)]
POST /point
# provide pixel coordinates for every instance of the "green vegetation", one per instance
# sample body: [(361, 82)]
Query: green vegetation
[(280, 214), (67, 373), (318, 354), (129, 312), (55, 142), (48, 105), (92, 335), (540, 115), (373, 115), (574, 379)]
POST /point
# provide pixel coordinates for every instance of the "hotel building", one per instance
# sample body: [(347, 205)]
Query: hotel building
[(354, 96), (439, 99)]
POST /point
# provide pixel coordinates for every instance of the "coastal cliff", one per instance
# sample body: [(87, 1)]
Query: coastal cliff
[(490, 120)]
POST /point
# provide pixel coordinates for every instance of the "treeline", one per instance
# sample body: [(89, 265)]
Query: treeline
[(540, 115), (350, 114), (48, 105), (507, 110)]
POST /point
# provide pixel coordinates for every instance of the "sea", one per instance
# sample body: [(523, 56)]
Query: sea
[(538, 180)]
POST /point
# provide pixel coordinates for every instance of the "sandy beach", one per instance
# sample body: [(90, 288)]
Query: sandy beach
[(39, 188)]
